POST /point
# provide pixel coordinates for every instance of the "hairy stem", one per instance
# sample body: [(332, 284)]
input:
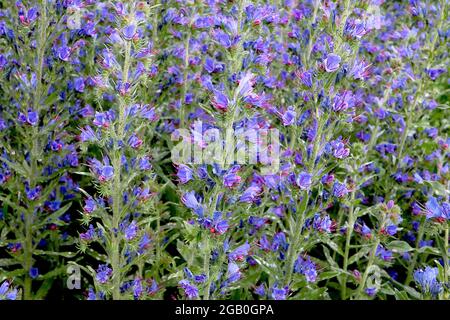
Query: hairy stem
[(28, 248), (117, 186), (372, 254), (412, 265), (348, 237)]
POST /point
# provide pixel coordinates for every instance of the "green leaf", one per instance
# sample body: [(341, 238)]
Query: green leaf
[(328, 275), (54, 253), (399, 246), (400, 295), (43, 289), (55, 215), (5, 262)]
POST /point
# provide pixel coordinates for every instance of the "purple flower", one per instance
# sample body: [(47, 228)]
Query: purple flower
[(427, 280), (220, 101), (339, 190), (145, 164), (87, 134), (102, 119), (184, 173), (322, 223), (251, 194), (436, 211), (144, 243), (63, 53), (103, 273), (106, 173), (129, 32), (279, 293), (190, 290), (7, 292), (239, 253), (231, 180), (371, 291), (131, 231), (34, 273), (342, 101), (31, 118), (340, 151), (331, 63), (134, 141), (223, 39), (233, 273), (307, 268), (434, 73), (289, 117), (78, 84), (260, 290), (89, 235), (33, 193), (384, 254), (304, 180), (306, 78), (90, 205), (190, 201)]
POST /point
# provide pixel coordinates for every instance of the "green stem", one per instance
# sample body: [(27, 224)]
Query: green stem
[(117, 185), (293, 249), (350, 225), (368, 267), (412, 265), (445, 255), (28, 248), (185, 77), (206, 259)]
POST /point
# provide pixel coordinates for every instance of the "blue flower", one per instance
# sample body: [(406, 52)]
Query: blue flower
[(7, 292), (190, 290), (251, 194), (260, 290), (304, 180), (279, 293), (129, 32), (184, 173), (339, 189), (90, 205), (239, 253), (384, 254), (332, 62), (220, 101), (307, 268), (289, 116), (31, 118), (78, 84), (231, 180), (426, 279), (190, 201), (34, 273), (371, 291), (435, 210), (131, 231), (322, 223), (33, 193), (144, 243), (103, 273)]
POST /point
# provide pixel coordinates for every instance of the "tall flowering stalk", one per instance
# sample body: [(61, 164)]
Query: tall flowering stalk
[(37, 148), (123, 216)]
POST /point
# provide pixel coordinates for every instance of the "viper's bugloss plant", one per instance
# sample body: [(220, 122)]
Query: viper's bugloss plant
[(292, 149), (37, 143), (122, 214)]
